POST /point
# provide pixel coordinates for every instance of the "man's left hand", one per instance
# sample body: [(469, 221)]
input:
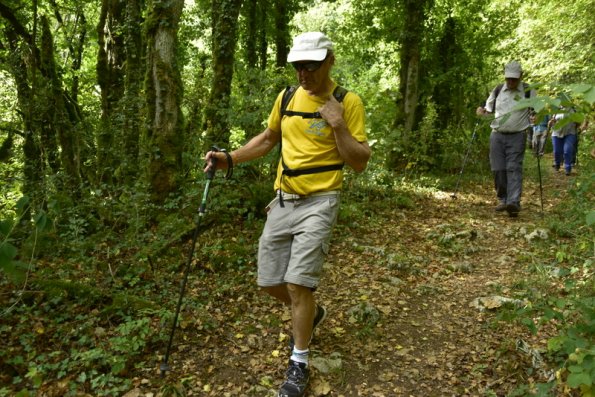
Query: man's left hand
[(332, 111)]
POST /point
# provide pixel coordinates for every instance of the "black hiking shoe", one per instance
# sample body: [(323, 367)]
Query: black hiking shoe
[(319, 317), (513, 210), (500, 207), (295, 385)]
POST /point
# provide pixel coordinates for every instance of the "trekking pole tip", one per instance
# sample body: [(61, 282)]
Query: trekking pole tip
[(163, 368)]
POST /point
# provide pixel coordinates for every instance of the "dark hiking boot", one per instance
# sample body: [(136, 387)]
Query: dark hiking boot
[(500, 207), (319, 317), (295, 385), (513, 210)]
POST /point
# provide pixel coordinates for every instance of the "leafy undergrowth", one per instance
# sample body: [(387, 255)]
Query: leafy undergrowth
[(401, 285)]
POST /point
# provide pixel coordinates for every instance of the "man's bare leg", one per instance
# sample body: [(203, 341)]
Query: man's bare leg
[(301, 302)]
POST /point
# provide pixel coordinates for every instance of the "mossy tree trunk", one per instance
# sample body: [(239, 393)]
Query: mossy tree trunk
[(410, 73), (61, 115), (255, 16), (164, 95), (110, 77), (50, 116), (449, 97), (121, 70), (263, 43), (23, 67), (33, 164), (282, 36), (224, 25), (133, 103)]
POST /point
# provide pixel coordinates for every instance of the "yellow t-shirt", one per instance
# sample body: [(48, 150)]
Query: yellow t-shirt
[(308, 143)]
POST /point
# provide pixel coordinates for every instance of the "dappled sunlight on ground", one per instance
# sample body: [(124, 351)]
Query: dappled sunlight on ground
[(412, 274)]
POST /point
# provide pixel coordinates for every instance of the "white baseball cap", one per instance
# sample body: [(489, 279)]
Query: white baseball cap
[(513, 70), (309, 46)]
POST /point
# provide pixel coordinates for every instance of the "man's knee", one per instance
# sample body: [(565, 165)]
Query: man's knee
[(298, 292)]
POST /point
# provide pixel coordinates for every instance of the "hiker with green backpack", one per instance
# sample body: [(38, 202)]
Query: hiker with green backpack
[(320, 128), (508, 137)]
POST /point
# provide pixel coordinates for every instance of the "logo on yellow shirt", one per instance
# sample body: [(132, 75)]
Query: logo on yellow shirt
[(315, 127)]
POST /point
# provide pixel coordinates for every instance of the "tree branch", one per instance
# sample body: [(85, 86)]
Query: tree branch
[(8, 14), (12, 131)]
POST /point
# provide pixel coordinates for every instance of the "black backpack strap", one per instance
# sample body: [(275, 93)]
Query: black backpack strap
[(339, 94), (314, 170), (287, 95), (497, 92), (304, 171), (304, 115), (527, 90)]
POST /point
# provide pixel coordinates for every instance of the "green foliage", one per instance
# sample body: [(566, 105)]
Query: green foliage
[(555, 44), (101, 367), (575, 100), (11, 261), (570, 307)]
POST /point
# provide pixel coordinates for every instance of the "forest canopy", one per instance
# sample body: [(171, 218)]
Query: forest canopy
[(134, 92)]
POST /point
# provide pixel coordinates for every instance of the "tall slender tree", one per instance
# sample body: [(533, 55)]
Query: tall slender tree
[(164, 93), (120, 74), (110, 76), (410, 61), (61, 114), (32, 157), (49, 112), (224, 27), (22, 64), (281, 32), (132, 104), (254, 16)]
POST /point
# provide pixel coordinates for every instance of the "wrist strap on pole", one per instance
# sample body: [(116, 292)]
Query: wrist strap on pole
[(229, 164), (229, 172)]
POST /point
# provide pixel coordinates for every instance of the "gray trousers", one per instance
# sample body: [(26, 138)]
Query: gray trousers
[(539, 139), (507, 152)]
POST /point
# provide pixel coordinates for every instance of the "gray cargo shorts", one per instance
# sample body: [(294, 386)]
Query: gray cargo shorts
[(295, 240)]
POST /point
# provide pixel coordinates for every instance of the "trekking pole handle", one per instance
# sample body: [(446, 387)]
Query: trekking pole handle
[(213, 164), (210, 175)]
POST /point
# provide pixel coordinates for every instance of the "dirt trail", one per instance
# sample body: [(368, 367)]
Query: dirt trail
[(430, 341), (398, 289)]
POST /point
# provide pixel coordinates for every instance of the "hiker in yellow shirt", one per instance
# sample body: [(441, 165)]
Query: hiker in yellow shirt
[(321, 128)]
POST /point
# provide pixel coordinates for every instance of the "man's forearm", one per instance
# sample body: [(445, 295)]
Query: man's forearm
[(257, 147), (355, 154)]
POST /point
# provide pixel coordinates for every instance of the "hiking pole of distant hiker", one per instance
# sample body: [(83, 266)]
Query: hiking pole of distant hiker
[(540, 182), (454, 195), (201, 211), (578, 138)]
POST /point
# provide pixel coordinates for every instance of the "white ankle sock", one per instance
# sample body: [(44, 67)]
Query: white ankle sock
[(300, 356)]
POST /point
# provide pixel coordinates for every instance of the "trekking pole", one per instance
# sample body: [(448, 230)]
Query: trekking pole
[(454, 195), (201, 211), (578, 136), (540, 183)]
